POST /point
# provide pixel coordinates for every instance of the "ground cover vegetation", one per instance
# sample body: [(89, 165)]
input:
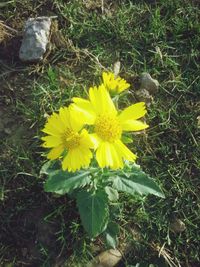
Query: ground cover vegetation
[(159, 37)]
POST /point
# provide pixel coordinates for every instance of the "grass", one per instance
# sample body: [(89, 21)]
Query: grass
[(160, 37)]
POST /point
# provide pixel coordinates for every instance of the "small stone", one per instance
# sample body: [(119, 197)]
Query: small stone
[(148, 83), (35, 39), (116, 68), (198, 122), (177, 226), (144, 96), (108, 258)]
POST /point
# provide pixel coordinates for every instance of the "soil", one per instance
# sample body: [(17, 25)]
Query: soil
[(30, 234)]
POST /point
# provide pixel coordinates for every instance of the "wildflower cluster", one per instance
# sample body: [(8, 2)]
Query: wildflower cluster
[(92, 130), (93, 127)]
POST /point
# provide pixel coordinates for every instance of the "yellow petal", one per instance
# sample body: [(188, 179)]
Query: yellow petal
[(54, 125), (133, 125), (114, 84), (76, 159), (94, 99), (124, 151), (76, 119), (85, 108), (95, 140), (133, 112), (117, 158), (109, 80), (107, 76), (101, 100), (86, 140), (107, 156), (56, 122), (123, 85), (65, 116), (67, 163), (55, 152), (51, 141), (51, 131), (85, 156), (100, 155)]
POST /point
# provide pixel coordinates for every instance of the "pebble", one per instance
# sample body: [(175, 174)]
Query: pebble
[(148, 83), (35, 39), (177, 226), (108, 258)]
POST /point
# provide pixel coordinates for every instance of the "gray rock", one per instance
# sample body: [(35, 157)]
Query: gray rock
[(35, 39), (148, 83), (198, 122), (108, 258), (116, 68)]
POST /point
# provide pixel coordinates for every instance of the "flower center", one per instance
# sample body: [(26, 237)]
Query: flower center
[(71, 139), (108, 128)]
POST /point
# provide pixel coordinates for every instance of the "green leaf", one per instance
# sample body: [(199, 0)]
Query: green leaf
[(49, 167), (94, 212), (137, 181), (62, 182), (127, 139), (112, 193), (111, 234)]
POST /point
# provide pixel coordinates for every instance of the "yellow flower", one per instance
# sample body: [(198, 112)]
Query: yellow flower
[(113, 84), (67, 139), (109, 125)]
